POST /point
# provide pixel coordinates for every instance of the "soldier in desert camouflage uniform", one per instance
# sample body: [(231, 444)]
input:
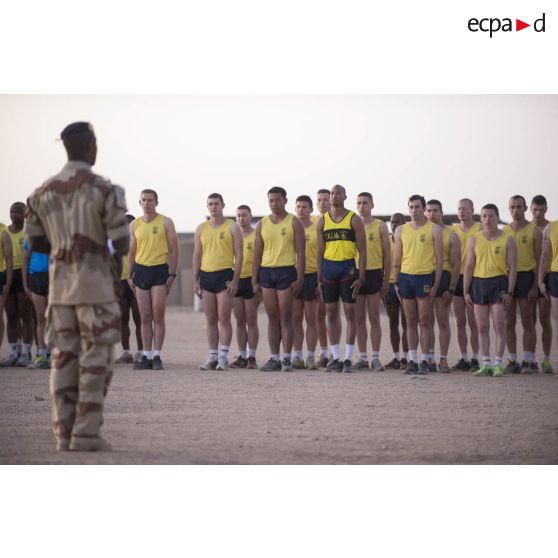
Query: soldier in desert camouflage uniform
[(72, 216)]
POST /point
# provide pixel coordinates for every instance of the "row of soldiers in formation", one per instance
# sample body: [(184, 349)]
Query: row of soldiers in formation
[(299, 266)]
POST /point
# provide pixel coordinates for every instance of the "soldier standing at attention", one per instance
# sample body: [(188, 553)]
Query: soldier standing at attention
[(5, 273), (19, 308), (72, 216), (549, 288), (153, 250), (216, 265)]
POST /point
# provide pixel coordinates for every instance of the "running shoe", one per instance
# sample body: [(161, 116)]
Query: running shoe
[(484, 370), (239, 362), (512, 367), (474, 364), (125, 358), (432, 366), (403, 364), (222, 364), (323, 362), (137, 356), (497, 370), (411, 368), (24, 361), (443, 366), (251, 363), (335, 366), (361, 364), (534, 367), (209, 364), (40, 363), (547, 367), (298, 363), (271, 365), (424, 368), (347, 366), (462, 366), (393, 364), (376, 365), (144, 364), (157, 363), (286, 365), (311, 364), (525, 368)]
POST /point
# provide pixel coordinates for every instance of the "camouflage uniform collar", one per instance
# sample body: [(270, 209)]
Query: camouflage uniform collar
[(77, 165)]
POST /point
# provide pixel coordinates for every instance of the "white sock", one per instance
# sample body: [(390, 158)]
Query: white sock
[(513, 356), (311, 354), (546, 357), (18, 347), (224, 351), (413, 355), (213, 355), (275, 357), (349, 352), (243, 354), (498, 361), (25, 348), (431, 355), (375, 354), (465, 356), (475, 356), (43, 352), (157, 352), (148, 354), (298, 354), (252, 353), (405, 355), (323, 351), (397, 355), (443, 357), (13, 349), (330, 352), (335, 351), (486, 360), (362, 356), (124, 352)]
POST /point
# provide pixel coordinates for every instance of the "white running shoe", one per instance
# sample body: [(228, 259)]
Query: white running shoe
[(376, 365), (222, 364)]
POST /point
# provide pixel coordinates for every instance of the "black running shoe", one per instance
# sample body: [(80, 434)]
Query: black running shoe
[(423, 368), (347, 366), (144, 364), (239, 362), (157, 363), (334, 366), (411, 368), (474, 365), (462, 366), (432, 366), (393, 364), (512, 367)]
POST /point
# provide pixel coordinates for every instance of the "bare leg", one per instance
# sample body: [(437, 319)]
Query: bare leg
[(26, 314), (137, 322), (544, 318), (511, 318), (159, 303), (350, 316), (526, 311), (298, 316), (12, 317), (311, 315), (373, 302), (240, 318), (333, 322), (394, 335), (482, 317), (360, 318), (411, 314), (224, 307), (460, 313), (473, 329), (271, 306), (322, 327), (425, 311), (285, 302), (442, 317), (211, 319), (40, 303), (404, 343), (144, 305), (251, 310), (124, 323), (499, 319)]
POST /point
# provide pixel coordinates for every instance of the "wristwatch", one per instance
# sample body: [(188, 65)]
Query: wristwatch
[(172, 274), (510, 294)]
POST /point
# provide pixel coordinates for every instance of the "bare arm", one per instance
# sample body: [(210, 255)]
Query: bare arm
[(25, 272), (8, 257), (300, 248), (537, 242), (386, 258), (545, 254), (258, 252), (238, 249), (320, 246), (360, 238), (131, 255), (397, 254), (512, 263), (468, 271), (172, 243), (196, 261), (437, 237), (455, 259)]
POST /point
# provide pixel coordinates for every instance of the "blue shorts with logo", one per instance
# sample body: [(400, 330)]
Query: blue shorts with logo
[(337, 278), (216, 281), (553, 284), (278, 278), (415, 286), (486, 291), (146, 276)]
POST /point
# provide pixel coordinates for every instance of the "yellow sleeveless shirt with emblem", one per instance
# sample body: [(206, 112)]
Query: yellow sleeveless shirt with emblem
[(339, 238), (525, 246), (464, 239), (18, 239), (151, 241), (491, 256), (391, 249), (418, 250), (124, 274), (217, 246), (374, 256), (311, 236), (279, 244), (247, 254), (2, 258), (553, 238), (446, 233)]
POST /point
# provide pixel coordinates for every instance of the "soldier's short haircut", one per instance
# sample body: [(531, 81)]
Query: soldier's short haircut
[(324, 191), (278, 190), (18, 204), (307, 199), (470, 202), (366, 194), (149, 191), (520, 197), (539, 200), (216, 196), (435, 202), (399, 216), (492, 207), (339, 186), (418, 197), (245, 207)]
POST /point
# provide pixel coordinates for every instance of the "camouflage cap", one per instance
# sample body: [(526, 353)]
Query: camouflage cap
[(76, 128)]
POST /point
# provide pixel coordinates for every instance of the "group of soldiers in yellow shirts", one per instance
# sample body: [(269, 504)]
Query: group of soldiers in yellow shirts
[(301, 265)]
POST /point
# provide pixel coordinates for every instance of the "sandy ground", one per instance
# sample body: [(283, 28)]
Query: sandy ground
[(183, 415)]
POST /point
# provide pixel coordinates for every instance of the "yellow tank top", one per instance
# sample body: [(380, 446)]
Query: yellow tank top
[(446, 233), (391, 250), (315, 218), (491, 256), (18, 240), (2, 258), (464, 239), (247, 254), (525, 246), (553, 237), (151, 241), (418, 250), (217, 246), (124, 274), (311, 236), (279, 243), (339, 238), (374, 259)]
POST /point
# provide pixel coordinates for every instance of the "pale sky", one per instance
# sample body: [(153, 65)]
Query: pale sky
[(485, 147)]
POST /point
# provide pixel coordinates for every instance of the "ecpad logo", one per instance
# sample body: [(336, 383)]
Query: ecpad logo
[(492, 25)]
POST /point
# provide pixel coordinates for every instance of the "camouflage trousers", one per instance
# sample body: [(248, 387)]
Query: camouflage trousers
[(82, 338)]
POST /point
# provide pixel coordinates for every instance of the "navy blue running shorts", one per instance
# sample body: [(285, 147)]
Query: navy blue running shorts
[(245, 290), (278, 278), (372, 282), (146, 276), (489, 291), (309, 287), (216, 281), (523, 284), (337, 278), (415, 286)]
